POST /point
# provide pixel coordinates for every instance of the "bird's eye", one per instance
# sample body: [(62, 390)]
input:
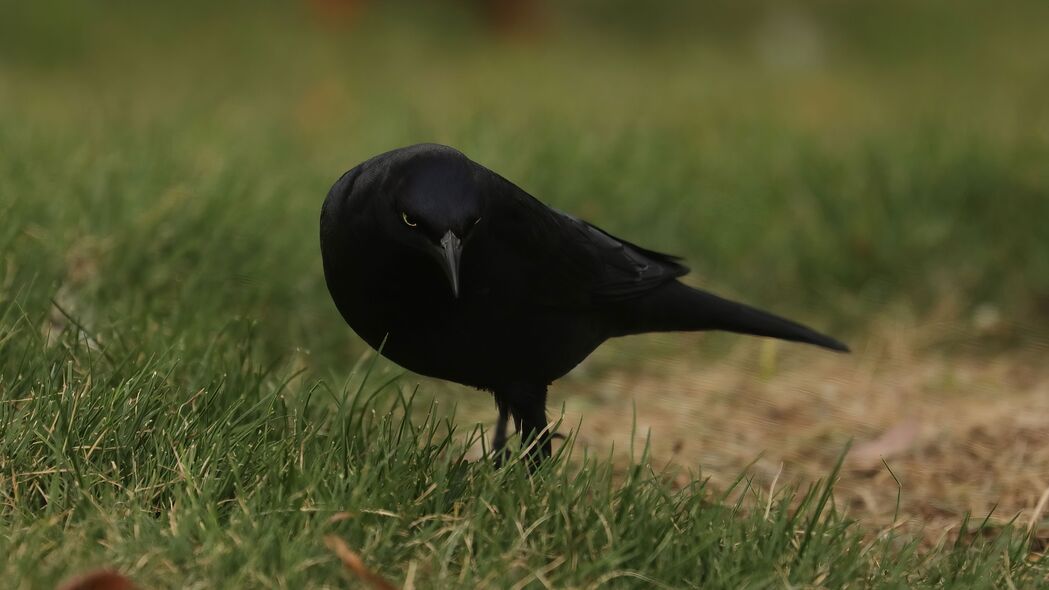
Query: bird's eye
[(408, 221)]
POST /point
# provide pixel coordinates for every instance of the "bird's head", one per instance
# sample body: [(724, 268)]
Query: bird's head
[(436, 204)]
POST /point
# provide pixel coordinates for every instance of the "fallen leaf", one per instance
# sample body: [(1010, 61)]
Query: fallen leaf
[(355, 565), (893, 441), (98, 580)]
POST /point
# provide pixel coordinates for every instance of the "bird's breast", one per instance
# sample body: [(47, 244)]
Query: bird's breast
[(491, 334)]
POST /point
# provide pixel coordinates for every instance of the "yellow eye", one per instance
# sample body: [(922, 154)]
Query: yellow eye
[(407, 221)]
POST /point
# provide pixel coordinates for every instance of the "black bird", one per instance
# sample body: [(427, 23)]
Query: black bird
[(456, 273)]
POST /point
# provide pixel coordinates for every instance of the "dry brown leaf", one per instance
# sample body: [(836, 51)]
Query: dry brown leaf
[(892, 442), (98, 580), (355, 565)]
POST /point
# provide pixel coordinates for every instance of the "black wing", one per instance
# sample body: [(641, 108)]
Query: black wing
[(621, 269), (565, 261)]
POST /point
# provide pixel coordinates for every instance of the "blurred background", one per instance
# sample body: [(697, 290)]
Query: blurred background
[(875, 169)]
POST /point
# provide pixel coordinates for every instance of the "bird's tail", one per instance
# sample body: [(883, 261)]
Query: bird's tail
[(677, 307)]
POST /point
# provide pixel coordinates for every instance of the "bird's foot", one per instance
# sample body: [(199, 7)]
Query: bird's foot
[(535, 452)]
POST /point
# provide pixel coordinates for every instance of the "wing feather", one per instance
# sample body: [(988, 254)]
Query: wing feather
[(569, 262)]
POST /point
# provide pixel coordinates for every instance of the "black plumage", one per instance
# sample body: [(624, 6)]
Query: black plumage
[(458, 274)]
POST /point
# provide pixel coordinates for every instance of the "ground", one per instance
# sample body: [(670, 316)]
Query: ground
[(961, 434), (959, 438)]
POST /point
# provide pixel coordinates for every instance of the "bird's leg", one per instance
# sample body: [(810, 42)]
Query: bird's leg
[(499, 440), (527, 404)]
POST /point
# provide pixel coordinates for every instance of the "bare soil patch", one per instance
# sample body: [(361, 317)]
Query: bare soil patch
[(962, 435)]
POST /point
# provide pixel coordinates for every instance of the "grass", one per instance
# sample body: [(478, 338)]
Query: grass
[(232, 473), (179, 398)]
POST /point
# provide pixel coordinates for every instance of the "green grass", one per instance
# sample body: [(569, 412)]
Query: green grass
[(198, 467), (178, 395)]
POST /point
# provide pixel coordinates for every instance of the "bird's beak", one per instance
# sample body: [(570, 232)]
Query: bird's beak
[(451, 250)]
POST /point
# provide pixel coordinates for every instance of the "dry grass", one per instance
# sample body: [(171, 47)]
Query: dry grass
[(961, 434)]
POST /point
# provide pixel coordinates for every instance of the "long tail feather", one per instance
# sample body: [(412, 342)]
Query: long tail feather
[(677, 307)]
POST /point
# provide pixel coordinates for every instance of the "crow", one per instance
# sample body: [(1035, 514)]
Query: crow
[(452, 271)]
